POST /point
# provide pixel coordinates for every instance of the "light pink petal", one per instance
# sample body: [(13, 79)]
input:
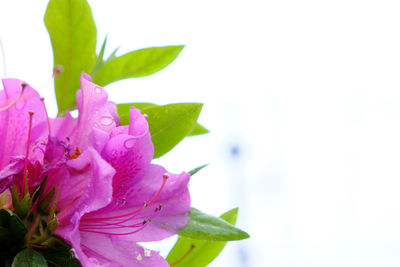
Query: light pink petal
[(64, 127), (94, 112), (168, 212), (15, 121), (102, 250), (162, 216), (85, 186)]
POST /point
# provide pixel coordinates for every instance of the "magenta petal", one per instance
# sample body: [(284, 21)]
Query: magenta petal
[(8, 172), (149, 212), (169, 210), (94, 111), (85, 186), (102, 250), (130, 156), (64, 127), (15, 120)]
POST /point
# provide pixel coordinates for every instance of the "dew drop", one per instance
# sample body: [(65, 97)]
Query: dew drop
[(98, 90), (20, 105), (130, 143), (147, 252), (139, 257), (106, 120)]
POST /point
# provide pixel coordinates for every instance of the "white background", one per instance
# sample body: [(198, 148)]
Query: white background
[(308, 92)]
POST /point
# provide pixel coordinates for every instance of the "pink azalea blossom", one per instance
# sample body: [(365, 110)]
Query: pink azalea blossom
[(109, 195)]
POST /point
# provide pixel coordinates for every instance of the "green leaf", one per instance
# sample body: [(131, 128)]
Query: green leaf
[(168, 124), (198, 253), (61, 258), (199, 130), (135, 64), (10, 221), (73, 37), (123, 112), (206, 227), (29, 258), (195, 170), (99, 59)]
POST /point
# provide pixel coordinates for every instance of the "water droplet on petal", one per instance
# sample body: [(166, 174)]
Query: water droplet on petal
[(96, 111), (129, 143), (147, 252), (98, 90), (139, 257), (106, 120), (20, 105)]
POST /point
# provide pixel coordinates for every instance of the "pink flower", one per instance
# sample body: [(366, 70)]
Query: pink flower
[(110, 196)]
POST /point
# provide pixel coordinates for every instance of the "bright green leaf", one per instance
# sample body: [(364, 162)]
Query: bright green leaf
[(29, 258), (198, 253), (199, 130), (135, 64), (100, 58), (195, 170), (206, 227), (73, 36), (123, 112), (168, 124)]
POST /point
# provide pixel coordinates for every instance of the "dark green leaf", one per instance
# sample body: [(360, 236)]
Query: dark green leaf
[(73, 37), (168, 124), (135, 64), (198, 253), (207, 227), (29, 258), (195, 170), (61, 258), (9, 220)]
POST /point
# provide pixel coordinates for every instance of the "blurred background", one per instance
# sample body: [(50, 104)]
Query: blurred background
[(302, 99)]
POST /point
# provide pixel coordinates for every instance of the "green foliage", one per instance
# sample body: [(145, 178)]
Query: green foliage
[(198, 253), (135, 64), (73, 37), (12, 233), (206, 227), (198, 130), (195, 170), (61, 258), (10, 221), (29, 258), (168, 124)]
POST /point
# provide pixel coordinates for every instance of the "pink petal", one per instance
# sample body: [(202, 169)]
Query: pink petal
[(102, 250), (64, 127), (163, 215), (15, 121), (85, 185), (94, 111), (8, 172)]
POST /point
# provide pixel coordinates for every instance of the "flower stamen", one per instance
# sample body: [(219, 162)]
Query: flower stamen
[(27, 153), (47, 115), (123, 224), (12, 103)]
